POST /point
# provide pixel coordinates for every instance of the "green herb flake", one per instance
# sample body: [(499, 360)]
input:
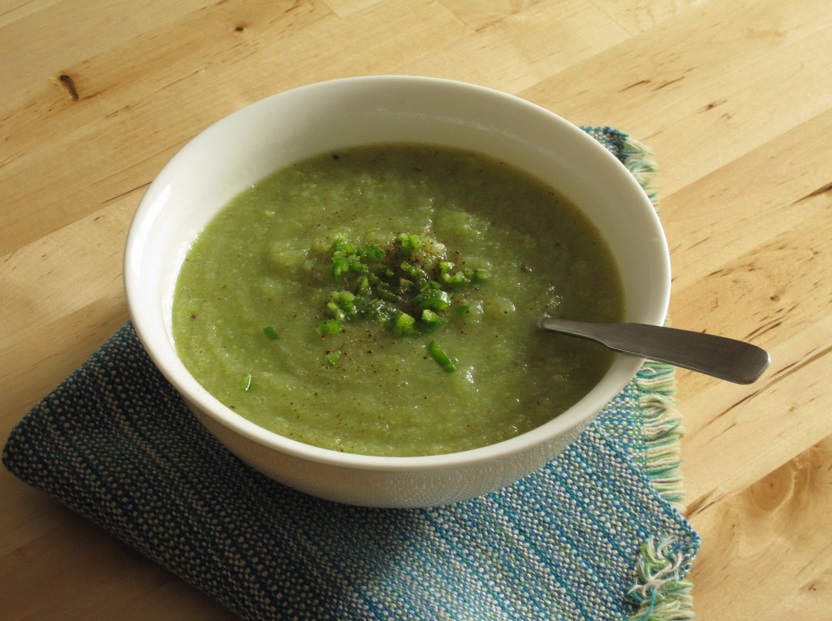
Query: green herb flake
[(431, 320), (478, 275), (340, 266), (434, 299), (332, 358), (408, 243), (371, 253), (405, 325), (329, 326), (442, 359)]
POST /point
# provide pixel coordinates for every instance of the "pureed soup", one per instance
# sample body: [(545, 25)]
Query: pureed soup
[(386, 300)]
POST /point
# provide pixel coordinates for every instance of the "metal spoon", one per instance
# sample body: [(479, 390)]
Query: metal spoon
[(727, 359)]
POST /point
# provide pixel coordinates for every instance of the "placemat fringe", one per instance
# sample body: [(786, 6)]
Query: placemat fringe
[(662, 425), (661, 592), (638, 158)]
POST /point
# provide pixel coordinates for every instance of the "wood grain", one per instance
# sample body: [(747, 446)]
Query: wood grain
[(733, 96)]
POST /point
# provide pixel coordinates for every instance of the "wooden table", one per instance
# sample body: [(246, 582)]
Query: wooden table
[(734, 96)]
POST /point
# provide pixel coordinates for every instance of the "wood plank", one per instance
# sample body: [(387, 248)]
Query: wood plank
[(810, 601), (96, 243), (479, 15), (638, 16), (738, 438), (14, 10), (758, 196), (346, 8), (767, 549), (701, 91), (52, 35), (522, 48)]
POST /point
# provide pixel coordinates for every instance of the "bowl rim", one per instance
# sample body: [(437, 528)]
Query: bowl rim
[(572, 418)]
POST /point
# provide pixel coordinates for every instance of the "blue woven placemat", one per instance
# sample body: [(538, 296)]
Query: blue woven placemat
[(592, 536)]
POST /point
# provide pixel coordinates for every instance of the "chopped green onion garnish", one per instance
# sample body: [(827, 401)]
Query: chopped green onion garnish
[(457, 278), (408, 242), (478, 275), (405, 285), (384, 293), (341, 246), (333, 357), (414, 271), (357, 267), (336, 312), (340, 266), (245, 385), (404, 324), (434, 299), (271, 333), (371, 253), (442, 359), (343, 300), (431, 320), (330, 326)]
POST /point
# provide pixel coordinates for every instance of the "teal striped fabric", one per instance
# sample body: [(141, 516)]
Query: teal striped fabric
[(117, 444)]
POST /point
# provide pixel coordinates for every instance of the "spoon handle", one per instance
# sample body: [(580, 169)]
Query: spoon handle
[(727, 359)]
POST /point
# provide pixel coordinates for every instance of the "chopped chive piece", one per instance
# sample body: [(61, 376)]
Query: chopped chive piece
[(431, 320), (404, 324), (384, 293), (343, 301), (333, 357), (478, 275), (442, 359), (271, 333), (330, 326), (372, 253), (457, 278), (341, 246), (357, 267), (245, 385), (434, 299), (340, 266), (408, 242), (336, 312), (414, 271)]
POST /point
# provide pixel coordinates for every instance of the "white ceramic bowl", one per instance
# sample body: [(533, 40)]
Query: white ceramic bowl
[(258, 139)]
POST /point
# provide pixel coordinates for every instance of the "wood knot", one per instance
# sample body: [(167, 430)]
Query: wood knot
[(69, 84), (787, 489)]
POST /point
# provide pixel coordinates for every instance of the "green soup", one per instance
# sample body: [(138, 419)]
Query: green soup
[(299, 305)]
